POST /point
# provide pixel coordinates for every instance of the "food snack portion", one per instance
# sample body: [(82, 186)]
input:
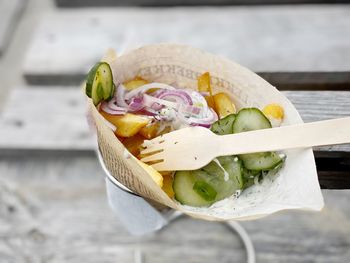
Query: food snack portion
[(138, 110)]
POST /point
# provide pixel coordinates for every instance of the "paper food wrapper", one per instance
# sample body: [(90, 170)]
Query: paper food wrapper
[(296, 185)]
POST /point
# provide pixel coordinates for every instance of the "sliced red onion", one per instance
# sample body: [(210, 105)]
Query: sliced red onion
[(204, 122), (149, 101), (144, 88), (112, 109), (205, 125), (120, 96), (192, 110), (147, 112), (136, 104), (176, 95)]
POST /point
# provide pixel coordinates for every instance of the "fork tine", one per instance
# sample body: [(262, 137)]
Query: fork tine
[(152, 148), (154, 157), (162, 166), (158, 139)]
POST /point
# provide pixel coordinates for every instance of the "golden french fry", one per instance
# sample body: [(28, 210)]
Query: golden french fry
[(168, 185), (156, 176), (204, 86), (127, 125), (223, 104), (135, 83), (133, 144), (274, 110), (150, 131), (153, 130)]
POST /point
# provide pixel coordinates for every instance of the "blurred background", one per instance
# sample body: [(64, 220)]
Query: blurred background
[(53, 204)]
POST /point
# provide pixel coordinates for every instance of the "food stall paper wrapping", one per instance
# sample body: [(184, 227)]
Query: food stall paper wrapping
[(295, 187)]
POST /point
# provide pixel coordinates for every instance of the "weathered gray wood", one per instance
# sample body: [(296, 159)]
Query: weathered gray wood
[(265, 39), (54, 210), (103, 3), (10, 12), (54, 119), (46, 119), (335, 80)]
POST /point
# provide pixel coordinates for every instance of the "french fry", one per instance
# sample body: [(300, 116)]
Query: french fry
[(155, 175), (150, 131), (135, 83), (274, 110), (223, 104), (168, 184), (133, 144), (127, 125), (204, 86), (153, 130)]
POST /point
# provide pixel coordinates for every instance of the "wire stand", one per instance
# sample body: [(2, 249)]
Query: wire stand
[(170, 216)]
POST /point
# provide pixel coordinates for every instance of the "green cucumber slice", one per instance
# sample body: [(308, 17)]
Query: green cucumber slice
[(234, 169), (250, 119), (223, 126), (99, 83), (261, 161), (249, 176), (183, 184), (208, 185), (205, 190)]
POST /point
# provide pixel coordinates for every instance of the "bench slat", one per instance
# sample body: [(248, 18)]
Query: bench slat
[(54, 118), (10, 12), (265, 39), (61, 203), (104, 3), (47, 212)]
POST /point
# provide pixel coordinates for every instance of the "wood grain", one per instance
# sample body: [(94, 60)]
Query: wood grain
[(308, 80), (54, 118), (52, 121), (265, 39), (104, 3), (10, 12), (54, 209)]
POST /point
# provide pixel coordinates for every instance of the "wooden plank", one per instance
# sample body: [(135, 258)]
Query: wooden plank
[(48, 214), (308, 80), (54, 119), (103, 3), (47, 114), (10, 12), (46, 119), (58, 216), (265, 39)]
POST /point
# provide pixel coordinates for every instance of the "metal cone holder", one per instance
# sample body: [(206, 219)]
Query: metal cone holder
[(139, 217)]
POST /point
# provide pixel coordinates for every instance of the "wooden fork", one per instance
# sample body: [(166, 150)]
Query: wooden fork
[(194, 147)]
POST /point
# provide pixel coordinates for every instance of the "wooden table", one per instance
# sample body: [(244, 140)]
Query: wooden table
[(52, 199)]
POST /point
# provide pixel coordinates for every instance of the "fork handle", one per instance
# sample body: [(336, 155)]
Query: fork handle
[(329, 132)]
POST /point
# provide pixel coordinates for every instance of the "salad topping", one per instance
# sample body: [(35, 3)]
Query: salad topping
[(138, 111)]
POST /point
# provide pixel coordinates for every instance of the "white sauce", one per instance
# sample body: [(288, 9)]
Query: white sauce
[(226, 175)]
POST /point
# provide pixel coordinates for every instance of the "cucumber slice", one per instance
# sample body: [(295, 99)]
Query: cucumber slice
[(99, 83), (249, 176), (205, 186), (223, 126), (250, 119), (183, 184), (234, 169), (261, 161), (205, 190)]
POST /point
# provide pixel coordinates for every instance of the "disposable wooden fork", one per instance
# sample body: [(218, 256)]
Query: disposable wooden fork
[(194, 147)]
